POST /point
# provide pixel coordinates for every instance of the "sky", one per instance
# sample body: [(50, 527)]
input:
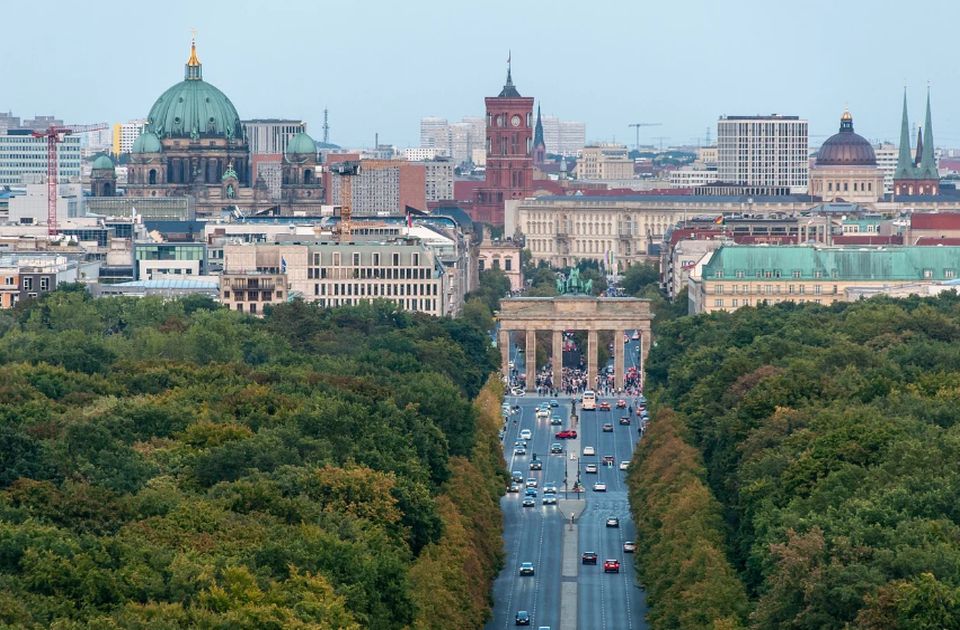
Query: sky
[(381, 65)]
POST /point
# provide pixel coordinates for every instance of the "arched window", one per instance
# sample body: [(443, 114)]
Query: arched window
[(153, 176), (308, 176)]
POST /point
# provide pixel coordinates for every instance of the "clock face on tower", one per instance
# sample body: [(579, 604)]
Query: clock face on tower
[(515, 121)]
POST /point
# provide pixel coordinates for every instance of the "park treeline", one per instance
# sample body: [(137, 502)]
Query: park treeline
[(803, 468), (173, 464)]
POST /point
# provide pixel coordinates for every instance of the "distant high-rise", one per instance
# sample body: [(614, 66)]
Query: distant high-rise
[(563, 137), (455, 140), (23, 158), (125, 134), (768, 151)]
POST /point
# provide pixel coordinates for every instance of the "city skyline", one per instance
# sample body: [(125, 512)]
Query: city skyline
[(691, 66)]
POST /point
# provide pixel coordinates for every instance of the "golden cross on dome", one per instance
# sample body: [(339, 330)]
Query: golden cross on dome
[(193, 61)]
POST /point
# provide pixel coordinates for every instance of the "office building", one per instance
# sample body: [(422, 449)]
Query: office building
[(563, 137), (23, 158), (270, 136), (604, 162), (382, 187), (435, 134), (39, 123), (733, 276), (692, 176), (769, 151), (421, 154), (29, 275), (125, 134), (8, 121), (154, 260), (887, 154), (438, 179)]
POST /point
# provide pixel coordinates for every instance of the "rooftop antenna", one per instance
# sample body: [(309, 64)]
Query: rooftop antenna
[(326, 127)]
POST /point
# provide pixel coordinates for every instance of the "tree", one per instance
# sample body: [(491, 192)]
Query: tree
[(638, 277)]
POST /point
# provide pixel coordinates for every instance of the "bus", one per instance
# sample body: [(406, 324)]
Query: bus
[(589, 400)]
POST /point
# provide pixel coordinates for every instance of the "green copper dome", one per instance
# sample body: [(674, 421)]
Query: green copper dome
[(194, 109), (103, 163), (302, 144), (147, 142)]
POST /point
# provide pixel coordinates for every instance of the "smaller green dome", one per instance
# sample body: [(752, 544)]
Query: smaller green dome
[(103, 163), (147, 142), (302, 144)]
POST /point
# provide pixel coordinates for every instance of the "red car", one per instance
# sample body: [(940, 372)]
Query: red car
[(611, 566), (621, 404), (566, 434), (604, 406)]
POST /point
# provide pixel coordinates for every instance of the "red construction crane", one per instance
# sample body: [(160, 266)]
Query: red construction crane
[(54, 136)]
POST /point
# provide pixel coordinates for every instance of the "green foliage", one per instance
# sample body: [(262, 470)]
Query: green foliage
[(172, 464), (829, 437), (637, 278)]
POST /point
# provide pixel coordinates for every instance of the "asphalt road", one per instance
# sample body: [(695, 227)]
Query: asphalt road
[(605, 601)]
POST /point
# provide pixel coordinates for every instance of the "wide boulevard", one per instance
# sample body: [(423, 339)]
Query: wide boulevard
[(563, 593)]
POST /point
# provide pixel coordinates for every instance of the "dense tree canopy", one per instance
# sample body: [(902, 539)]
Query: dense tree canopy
[(171, 464), (830, 437)]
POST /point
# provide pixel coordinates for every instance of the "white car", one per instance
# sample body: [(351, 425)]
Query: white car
[(599, 487), (591, 468), (531, 482), (589, 450), (526, 434), (549, 499), (624, 465), (517, 391)]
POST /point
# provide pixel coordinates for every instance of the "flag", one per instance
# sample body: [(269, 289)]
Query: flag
[(283, 264), (409, 220), (719, 220)]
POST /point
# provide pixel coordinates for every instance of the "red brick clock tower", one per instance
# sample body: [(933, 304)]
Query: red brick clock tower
[(509, 173)]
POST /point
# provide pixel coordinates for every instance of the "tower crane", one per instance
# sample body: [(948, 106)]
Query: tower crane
[(637, 127), (346, 171), (55, 135)]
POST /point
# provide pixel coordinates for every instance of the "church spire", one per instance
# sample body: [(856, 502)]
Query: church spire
[(928, 162), (905, 168), (193, 71), (538, 131)]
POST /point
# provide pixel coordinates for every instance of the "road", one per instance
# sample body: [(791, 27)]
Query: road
[(604, 601)]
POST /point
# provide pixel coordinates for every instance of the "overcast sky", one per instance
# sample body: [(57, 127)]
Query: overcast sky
[(380, 65)]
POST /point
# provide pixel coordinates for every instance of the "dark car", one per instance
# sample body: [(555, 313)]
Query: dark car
[(608, 427), (566, 434), (604, 406), (537, 465), (556, 447), (554, 403), (589, 557), (624, 419), (523, 618), (621, 404)]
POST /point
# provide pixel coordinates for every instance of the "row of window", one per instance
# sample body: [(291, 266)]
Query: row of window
[(375, 290), (735, 303), (948, 274), (367, 273), (418, 304), (355, 258), (771, 289)]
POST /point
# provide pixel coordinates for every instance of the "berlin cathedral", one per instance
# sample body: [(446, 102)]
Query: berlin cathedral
[(193, 145)]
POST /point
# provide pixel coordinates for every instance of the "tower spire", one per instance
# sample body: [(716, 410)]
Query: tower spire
[(509, 90), (538, 130), (928, 162), (193, 71), (905, 168)]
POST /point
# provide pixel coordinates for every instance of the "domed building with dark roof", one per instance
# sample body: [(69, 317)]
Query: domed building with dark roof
[(846, 167)]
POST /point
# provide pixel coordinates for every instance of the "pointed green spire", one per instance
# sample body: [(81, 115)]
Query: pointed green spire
[(538, 130), (905, 168), (928, 163)]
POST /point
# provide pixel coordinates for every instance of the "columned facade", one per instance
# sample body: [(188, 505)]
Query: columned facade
[(528, 315)]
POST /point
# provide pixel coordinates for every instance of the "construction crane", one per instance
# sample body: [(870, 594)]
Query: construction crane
[(637, 127), (54, 136), (346, 171)]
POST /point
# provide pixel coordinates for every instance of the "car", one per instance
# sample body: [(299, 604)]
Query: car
[(624, 419), (530, 492), (591, 468), (516, 476), (526, 568), (543, 414), (556, 421), (523, 618), (589, 450), (613, 521), (611, 566), (588, 557), (607, 427), (604, 406), (532, 482), (520, 443), (621, 404), (608, 459), (517, 391), (549, 499), (554, 402), (556, 447), (629, 546), (529, 502), (624, 465), (566, 434), (599, 487), (513, 487), (526, 434), (519, 450), (635, 336), (549, 488), (537, 465)]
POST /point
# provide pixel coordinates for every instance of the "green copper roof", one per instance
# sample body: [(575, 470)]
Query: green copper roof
[(928, 163), (301, 144), (753, 263), (230, 173), (147, 142), (103, 163), (194, 109), (538, 131), (905, 167)]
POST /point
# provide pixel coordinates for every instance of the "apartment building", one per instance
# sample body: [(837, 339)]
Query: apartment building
[(770, 151)]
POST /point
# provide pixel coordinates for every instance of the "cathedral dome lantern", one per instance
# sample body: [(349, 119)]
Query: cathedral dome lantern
[(846, 148)]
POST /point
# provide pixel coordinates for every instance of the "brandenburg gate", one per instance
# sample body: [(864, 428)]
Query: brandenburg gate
[(573, 312)]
